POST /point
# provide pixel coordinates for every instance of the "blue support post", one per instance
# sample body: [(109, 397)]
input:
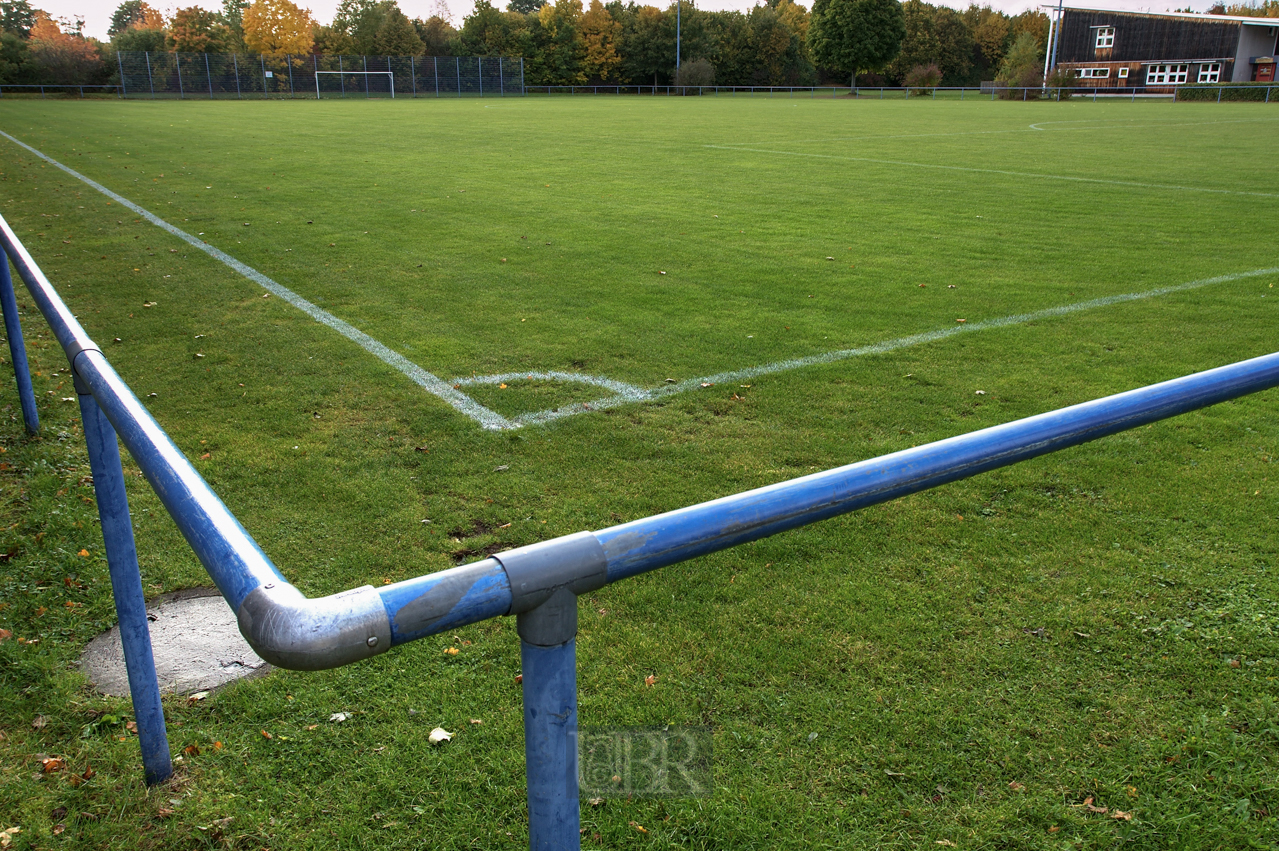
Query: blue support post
[(126, 587), (548, 659), (17, 349)]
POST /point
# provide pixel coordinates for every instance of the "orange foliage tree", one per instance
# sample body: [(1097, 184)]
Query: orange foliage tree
[(64, 58), (277, 27), (600, 32)]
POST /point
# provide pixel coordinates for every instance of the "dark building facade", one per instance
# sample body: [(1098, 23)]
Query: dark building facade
[(1160, 51)]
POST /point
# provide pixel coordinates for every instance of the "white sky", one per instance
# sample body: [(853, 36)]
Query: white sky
[(97, 13)]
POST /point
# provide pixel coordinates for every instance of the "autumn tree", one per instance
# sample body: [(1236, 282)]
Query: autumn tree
[(277, 27), (63, 58), (134, 14), (1023, 67), (991, 32), (196, 30), (600, 32), (856, 35)]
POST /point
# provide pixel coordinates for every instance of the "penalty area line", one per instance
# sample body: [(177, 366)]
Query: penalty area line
[(881, 347), (971, 169), (429, 382)]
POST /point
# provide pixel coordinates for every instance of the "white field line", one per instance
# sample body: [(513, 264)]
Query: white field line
[(973, 170), (872, 349), (427, 381)]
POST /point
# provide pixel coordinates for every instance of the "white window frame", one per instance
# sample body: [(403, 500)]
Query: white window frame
[(1105, 37), (1210, 72), (1123, 73), (1094, 73), (1167, 75)]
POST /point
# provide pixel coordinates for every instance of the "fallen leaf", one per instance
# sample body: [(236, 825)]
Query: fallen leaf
[(947, 843), (1120, 814), (5, 635), (131, 726), (191, 750), (961, 320), (52, 765), (83, 554), (197, 697), (58, 828), (339, 717), (519, 678), (650, 680), (1016, 787), (163, 812), (501, 387), (641, 828), (40, 721), (1054, 829), (502, 468), (438, 735), (217, 746), (595, 802), (452, 651), (477, 722), (266, 735)]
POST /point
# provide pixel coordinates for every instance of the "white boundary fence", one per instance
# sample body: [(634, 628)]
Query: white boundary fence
[(229, 75)]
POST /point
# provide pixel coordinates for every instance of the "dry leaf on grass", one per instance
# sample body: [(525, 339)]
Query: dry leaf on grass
[(641, 828), (650, 680), (438, 735)]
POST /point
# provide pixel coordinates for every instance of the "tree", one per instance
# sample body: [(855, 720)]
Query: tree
[(397, 36), (437, 35), (600, 32), (1023, 67), (920, 46), (954, 46), (648, 46), (138, 40), (332, 41), (525, 7), (561, 48), (196, 30), (15, 59), (856, 35), (1266, 9), (62, 57), (361, 19), (991, 32), (277, 27), (134, 14), (17, 17)]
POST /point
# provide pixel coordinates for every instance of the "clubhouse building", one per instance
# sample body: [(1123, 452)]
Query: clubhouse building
[(1159, 51)]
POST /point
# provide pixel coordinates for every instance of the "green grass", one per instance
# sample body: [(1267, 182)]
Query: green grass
[(903, 635)]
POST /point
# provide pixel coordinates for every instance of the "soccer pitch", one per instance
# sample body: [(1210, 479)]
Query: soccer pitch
[(398, 335)]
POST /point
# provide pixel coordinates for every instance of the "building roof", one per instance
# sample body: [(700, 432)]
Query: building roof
[(1265, 22)]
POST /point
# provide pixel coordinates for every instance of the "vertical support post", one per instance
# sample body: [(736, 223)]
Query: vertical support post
[(341, 75), (289, 59), (479, 74), (208, 72), (120, 62), (501, 79), (177, 63), (126, 587), (435, 66), (150, 81), (413, 74), (548, 660), (17, 349), (458, 63), (524, 91), (262, 62), (235, 64)]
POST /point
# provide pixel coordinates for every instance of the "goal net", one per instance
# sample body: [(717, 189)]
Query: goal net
[(343, 83)]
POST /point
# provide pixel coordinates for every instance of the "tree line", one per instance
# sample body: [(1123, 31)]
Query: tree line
[(776, 43)]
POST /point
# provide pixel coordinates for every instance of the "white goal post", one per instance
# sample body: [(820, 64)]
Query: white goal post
[(389, 74)]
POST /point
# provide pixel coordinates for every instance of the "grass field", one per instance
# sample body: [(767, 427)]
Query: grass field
[(977, 663)]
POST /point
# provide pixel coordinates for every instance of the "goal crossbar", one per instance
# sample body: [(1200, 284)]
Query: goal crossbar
[(390, 74)]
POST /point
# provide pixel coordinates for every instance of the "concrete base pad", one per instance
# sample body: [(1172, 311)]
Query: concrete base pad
[(194, 638)]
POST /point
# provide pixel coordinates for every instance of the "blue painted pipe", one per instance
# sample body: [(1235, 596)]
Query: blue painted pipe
[(550, 744), (676, 536), (126, 586), (17, 349)]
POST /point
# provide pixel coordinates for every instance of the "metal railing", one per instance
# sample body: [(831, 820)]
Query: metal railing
[(984, 92), (45, 88), (539, 584), (209, 76)]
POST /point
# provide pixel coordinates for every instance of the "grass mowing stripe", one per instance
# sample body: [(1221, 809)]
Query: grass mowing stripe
[(628, 395), (427, 381), (1029, 174)]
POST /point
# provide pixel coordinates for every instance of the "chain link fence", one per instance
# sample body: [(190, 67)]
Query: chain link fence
[(230, 75)]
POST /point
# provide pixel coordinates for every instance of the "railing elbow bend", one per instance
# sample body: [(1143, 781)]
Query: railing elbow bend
[(290, 631)]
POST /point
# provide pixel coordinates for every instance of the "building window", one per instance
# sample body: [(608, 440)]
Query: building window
[(1210, 72), (1167, 75), (1105, 37), (1123, 73), (1094, 73)]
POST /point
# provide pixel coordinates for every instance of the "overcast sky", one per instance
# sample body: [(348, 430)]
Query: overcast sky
[(97, 13)]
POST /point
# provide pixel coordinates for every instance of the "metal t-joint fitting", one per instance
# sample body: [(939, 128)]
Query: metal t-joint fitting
[(546, 579)]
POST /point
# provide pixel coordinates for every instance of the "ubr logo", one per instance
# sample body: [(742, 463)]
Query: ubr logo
[(645, 762)]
